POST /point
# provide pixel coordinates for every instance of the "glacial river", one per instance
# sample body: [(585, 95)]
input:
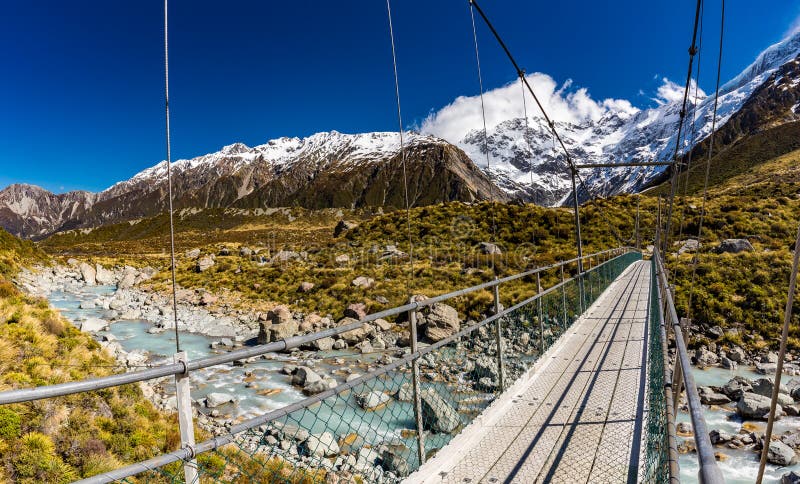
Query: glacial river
[(269, 389)]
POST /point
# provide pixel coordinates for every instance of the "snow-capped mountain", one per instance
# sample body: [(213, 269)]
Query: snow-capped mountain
[(324, 170), (524, 161), (449, 160)]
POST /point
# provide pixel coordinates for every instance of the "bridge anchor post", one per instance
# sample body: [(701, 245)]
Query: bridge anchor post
[(415, 384), (499, 338), (183, 399)]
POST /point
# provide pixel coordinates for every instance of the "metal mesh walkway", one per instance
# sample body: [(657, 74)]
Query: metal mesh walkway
[(579, 417)]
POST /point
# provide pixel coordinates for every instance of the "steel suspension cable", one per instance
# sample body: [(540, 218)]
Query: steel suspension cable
[(485, 136), (787, 318), (550, 123), (673, 181), (696, 258), (402, 152), (169, 179)]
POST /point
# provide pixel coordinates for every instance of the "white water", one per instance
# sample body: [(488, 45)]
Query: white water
[(741, 465)]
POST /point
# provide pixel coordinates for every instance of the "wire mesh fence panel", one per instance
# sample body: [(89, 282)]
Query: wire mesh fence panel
[(371, 432), (656, 445)]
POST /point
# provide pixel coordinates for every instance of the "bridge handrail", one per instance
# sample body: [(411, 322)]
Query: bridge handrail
[(92, 384), (709, 472), (189, 453)]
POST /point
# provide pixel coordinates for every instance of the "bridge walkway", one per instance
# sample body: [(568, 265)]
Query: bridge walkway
[(579, 416)]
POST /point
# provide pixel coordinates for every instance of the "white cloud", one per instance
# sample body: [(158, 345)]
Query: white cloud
[(670, 92), (563, 104)]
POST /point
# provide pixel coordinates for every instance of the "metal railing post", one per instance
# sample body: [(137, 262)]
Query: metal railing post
[(499, 335), (183, 399), (564, 297), (412, 324), (539, 308)]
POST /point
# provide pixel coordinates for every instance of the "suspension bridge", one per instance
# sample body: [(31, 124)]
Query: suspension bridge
[(574, 384)]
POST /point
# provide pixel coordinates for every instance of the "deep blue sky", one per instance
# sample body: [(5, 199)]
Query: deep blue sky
[(82, 81)]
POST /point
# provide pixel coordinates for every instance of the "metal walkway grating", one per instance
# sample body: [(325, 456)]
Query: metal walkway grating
[(579, 417)]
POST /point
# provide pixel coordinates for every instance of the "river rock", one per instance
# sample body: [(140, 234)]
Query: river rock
[(279, 315), (734, 246), (88, 273), (357, 335), (192, 254), (765, 387), (790, 478), (87, 305), (371, 400), (128, 278), (781, 454), (103, 276), (323, 344), (737, 354), (394, 461), (719, 437), (93, 325), (217, 399), (315, 387), (438, 415), (755, 406), (320, 445), (736, 387), (304, 375), (356, 311), (703, 357), (285, 330), (382, 324), (709, 397), (727, 363), (441, 321)]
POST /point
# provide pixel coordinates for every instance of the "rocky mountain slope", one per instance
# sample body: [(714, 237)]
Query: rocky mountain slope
[(362, 170), (324, 170), (524, 162)]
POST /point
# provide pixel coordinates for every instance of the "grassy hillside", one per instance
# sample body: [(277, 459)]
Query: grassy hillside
[(63, 439)]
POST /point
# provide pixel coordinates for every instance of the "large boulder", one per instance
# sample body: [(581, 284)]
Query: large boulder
[(755, 406), (781, 454), (103, 276), (688, 245), (765, 387), (192, 254), (128, 278), (438, 415), (285, 330), (394, 461), (88, 273), (279, 315), (441, 321), (489, 248), (204, 264), (709, 397), (93, 325), (734, 246)]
